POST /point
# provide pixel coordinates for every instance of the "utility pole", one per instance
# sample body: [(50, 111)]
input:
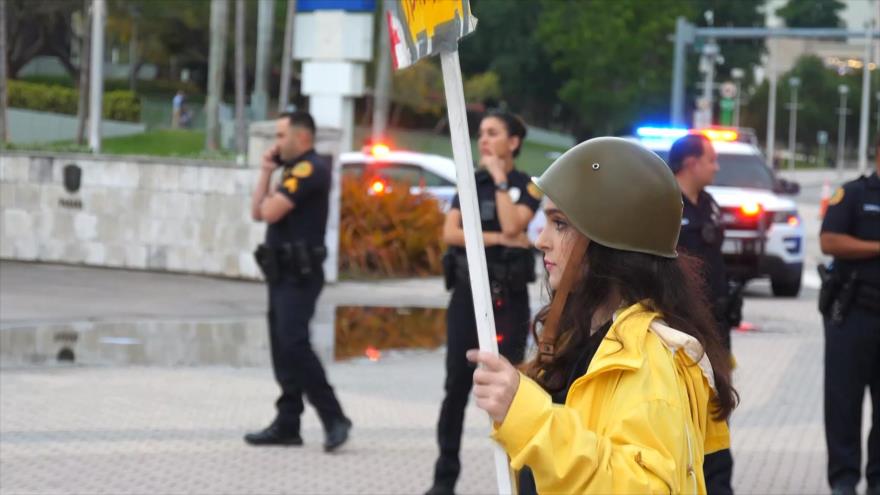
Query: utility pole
[(286, 58), (3, 133), (866, 101), (82, 107), (737, 75), (96, 91), (240, 130), (260, 97), (794, 83), (771, 107), (382, 86), (216, 71), (843, 89)]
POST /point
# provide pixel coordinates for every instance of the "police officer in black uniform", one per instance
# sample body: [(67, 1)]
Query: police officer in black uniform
[(694, 162), (850, 304), (291, 260), (507, 202)]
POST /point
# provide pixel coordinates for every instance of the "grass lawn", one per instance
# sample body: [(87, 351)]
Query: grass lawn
[(181, 143)]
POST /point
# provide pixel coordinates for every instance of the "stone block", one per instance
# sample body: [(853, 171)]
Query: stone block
[(176, 259), (25, 248), (7, 195), (231, 265), (157, 257), (135, 256), (247, 266), (195, 203), (17, 223), (44, 223), (15, 169), (115, 255), (96, 253), (85, 226), (212, 262), (27, 197), (169, 178), (189, 179), (131, 175), (74, 252), (40, 170), (7, 246), (50, 250)]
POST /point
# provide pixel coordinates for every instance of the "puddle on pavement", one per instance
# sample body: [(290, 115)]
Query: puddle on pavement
[(358, 332), (365, 331)]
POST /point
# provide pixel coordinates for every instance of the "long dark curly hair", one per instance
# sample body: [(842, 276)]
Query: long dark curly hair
[(671, 287)]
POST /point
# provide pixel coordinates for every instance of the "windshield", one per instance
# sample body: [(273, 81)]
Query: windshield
[(747, 171)]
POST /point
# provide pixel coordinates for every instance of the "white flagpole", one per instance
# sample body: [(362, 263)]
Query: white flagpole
[(473, 232)]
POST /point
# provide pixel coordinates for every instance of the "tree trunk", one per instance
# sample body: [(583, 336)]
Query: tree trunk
[(3, 133), (286, 58), (382, 86), (82, 108), (240, 90), (216, 62)]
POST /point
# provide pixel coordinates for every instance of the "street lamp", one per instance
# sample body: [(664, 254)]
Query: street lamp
[(737, 75), (794, 83), (843, 89)]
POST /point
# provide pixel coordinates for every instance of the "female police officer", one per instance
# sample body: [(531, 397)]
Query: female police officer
[(636, 388), (507, 202)]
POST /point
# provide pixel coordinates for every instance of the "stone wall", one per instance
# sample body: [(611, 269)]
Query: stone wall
[(158, 214)]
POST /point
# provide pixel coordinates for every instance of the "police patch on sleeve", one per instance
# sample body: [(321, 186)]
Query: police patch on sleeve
[(515, 193), (291, 184), (534, 191), (303, 169), (837, 197)]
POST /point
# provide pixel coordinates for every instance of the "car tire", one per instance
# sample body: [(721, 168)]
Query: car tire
[(787, 283)]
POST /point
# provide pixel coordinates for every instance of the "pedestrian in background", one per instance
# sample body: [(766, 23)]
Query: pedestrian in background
[(694, 162), (507, 202), (850, 304), (177, 108), (636, 387), (291, 260)]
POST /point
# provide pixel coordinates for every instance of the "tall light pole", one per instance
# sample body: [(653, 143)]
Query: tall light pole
[(96, 92), (843, 89), (866, 101), (771, 104), (794, 83), (737, 75)]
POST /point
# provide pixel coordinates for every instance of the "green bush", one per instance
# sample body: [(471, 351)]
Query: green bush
[(144, 87), (117, 105)]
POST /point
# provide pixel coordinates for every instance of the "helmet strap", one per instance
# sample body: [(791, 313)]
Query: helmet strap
[(547, 340)]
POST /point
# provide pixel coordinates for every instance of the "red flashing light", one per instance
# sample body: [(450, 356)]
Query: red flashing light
[(377, 187), (380, 150), (794, 221), (372, 353), (750, 209), (499, 338)]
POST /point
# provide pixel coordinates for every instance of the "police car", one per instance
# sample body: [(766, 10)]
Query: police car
[(764, 236), (378, 165)]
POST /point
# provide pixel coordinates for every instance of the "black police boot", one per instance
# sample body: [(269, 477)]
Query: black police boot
[(441, 489), (843, 490), (337, 434), (274, 434)]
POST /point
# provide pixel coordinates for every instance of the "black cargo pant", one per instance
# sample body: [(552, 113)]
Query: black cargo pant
[(852, 363), (512, 327), (297, 368)]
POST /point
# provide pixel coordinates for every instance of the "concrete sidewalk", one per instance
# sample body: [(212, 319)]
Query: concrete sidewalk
[(173, 427)]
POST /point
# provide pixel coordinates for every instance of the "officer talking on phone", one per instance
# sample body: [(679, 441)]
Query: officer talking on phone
[(291, 260)]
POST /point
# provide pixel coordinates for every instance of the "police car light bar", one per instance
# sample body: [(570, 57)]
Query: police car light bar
[(677, 132), (662, 132)]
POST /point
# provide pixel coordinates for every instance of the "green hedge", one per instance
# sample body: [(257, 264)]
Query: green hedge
[(117, 105), (144, 86)]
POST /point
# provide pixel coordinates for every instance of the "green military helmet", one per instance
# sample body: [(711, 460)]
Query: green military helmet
[(617, 193)]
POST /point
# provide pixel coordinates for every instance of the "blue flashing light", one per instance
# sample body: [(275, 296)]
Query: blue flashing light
[(661, 132)]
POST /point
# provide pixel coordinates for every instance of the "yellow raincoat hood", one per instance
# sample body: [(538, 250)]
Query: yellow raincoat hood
[(639, 420)]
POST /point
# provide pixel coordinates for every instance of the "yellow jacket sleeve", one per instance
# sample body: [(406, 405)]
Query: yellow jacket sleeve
[(631, 456), (717, 436)]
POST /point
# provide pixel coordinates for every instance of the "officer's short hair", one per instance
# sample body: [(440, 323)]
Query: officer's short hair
[(300, 118), (514, 124), (685, 147)]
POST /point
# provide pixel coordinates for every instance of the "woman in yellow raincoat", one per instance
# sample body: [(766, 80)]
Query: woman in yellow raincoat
[(633, 389)]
